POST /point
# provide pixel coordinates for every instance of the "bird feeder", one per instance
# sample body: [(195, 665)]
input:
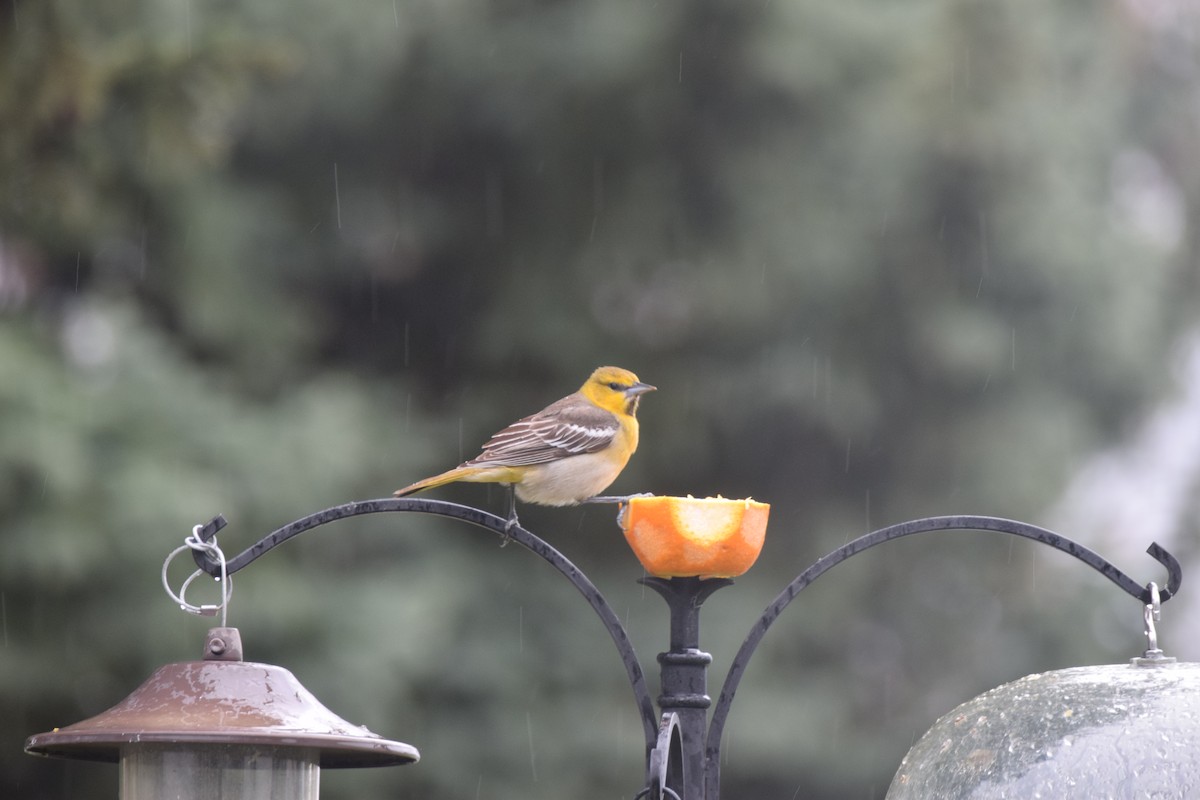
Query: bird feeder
[(1102, 731), (221, 729), (1123, 730)]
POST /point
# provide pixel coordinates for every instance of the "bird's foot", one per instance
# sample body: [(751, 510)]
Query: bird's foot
[(512, 516), (513, 522)]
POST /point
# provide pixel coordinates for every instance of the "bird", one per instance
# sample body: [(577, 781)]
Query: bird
[(565, 454)]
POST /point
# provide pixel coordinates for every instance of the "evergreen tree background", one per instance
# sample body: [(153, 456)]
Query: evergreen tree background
[(882, 260)]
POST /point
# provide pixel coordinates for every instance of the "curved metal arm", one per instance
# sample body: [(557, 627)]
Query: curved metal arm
[(964, 522), (477, 517)]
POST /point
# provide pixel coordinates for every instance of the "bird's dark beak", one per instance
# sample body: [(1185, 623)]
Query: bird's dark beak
[(639, 388)]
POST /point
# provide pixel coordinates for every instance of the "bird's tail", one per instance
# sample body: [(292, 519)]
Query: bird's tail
[(463, 472), (450, 476)]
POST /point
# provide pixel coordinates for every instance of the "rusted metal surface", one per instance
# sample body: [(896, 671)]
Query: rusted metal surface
[(223, 700)]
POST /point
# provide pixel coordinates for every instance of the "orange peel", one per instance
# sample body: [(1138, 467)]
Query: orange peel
[(710, 537)]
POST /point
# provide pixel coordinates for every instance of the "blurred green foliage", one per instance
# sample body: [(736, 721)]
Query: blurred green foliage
[(883, 260)]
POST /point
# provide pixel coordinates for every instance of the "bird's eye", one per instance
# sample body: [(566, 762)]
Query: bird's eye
[(616, 387)]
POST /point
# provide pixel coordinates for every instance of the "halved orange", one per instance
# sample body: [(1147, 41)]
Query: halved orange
[(711, 537)]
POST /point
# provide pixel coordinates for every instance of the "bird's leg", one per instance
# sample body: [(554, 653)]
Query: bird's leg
[(621, 501), (512, 515), (615, 498)]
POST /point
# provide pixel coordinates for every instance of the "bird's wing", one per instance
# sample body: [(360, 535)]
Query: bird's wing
[(570, 427)]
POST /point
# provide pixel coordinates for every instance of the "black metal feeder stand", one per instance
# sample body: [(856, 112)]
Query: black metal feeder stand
[(683, 742)]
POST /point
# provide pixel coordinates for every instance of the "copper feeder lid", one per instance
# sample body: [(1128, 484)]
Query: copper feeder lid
[(223, 700)]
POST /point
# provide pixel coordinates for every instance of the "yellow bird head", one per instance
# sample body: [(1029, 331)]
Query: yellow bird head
[(615, 389)]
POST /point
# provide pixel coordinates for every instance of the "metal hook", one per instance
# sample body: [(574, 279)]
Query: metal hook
[(1174, 573), (196, 543)]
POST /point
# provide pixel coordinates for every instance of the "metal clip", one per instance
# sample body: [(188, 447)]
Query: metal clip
[(194, 542), (1152, 613)]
